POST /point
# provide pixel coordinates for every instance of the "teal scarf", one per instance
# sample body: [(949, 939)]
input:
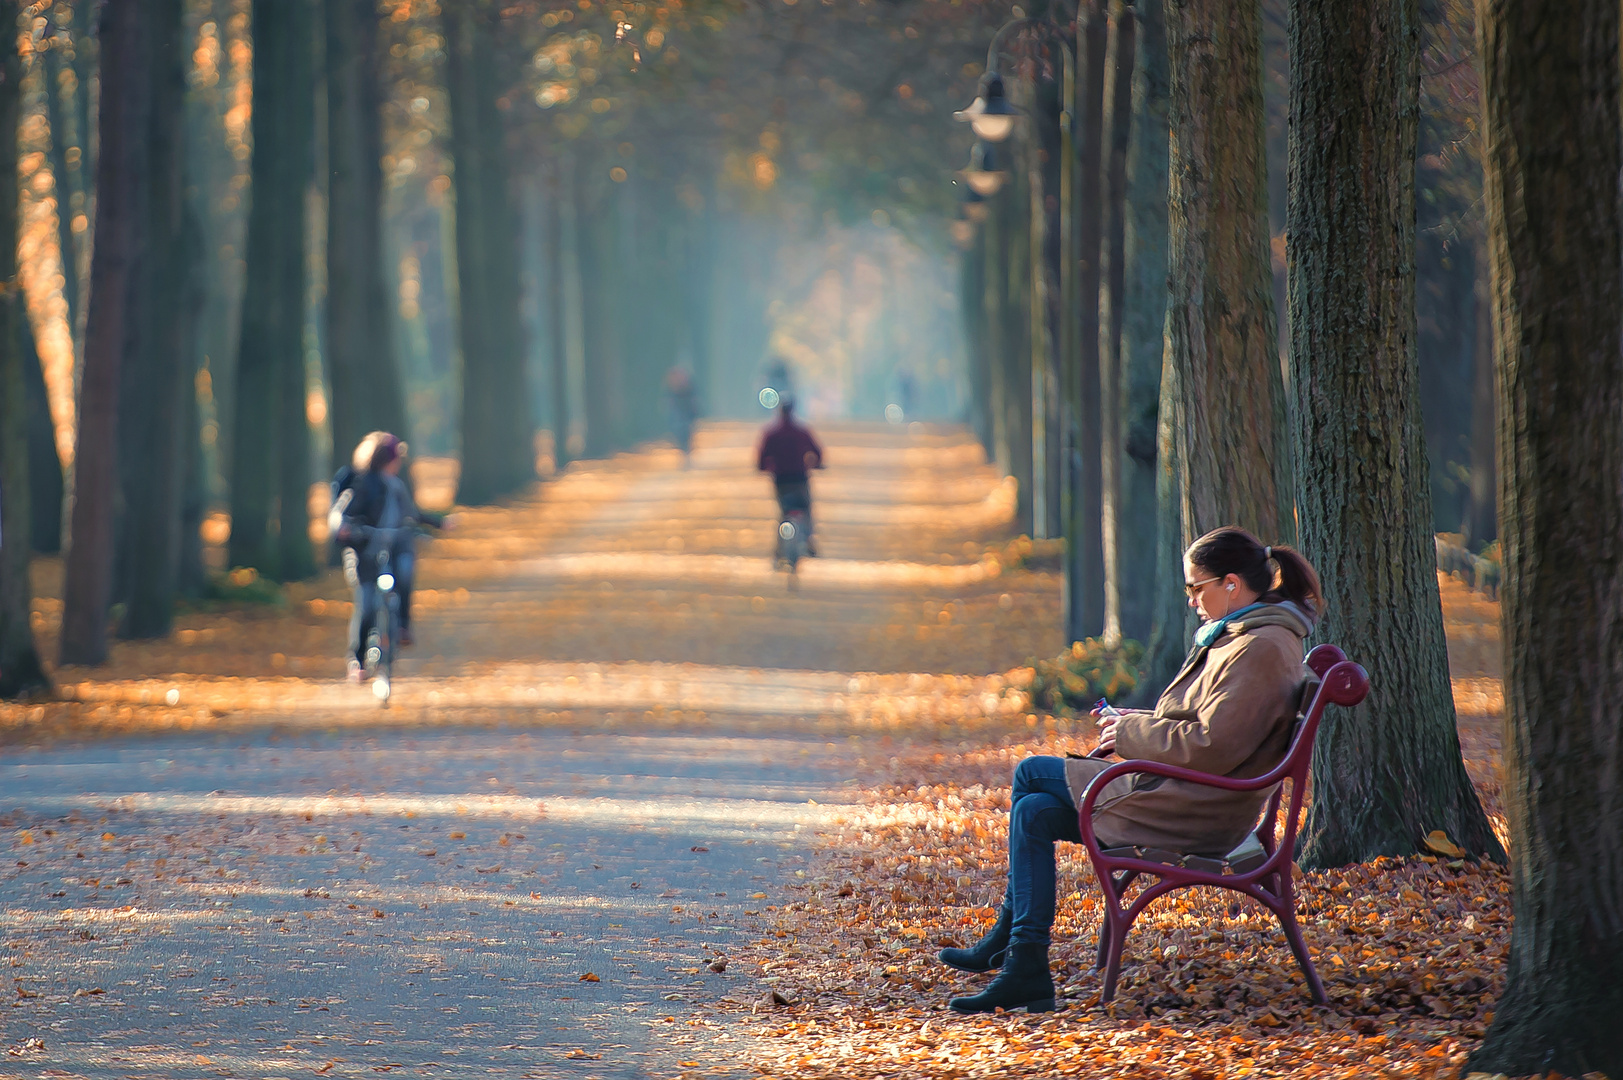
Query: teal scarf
[(1210, 632)]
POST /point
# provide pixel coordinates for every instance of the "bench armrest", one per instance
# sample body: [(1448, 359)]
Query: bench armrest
[(1171, 772)]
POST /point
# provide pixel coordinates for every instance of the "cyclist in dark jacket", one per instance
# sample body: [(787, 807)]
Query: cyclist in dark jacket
[(789, 451), (376, 511)]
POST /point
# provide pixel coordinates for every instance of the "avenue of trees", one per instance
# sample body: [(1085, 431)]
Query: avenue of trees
[(283, 223)]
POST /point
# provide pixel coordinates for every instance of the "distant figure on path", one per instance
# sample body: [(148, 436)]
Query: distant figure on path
[(1229, 712), (789, 451), (681, 409)]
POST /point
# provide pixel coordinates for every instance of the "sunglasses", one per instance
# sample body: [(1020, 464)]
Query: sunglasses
[(1193, 587)]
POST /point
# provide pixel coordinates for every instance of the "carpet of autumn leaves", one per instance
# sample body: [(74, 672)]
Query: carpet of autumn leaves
[(1412, 951)]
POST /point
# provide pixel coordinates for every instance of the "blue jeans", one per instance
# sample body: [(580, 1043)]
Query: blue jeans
[(1040, 812)]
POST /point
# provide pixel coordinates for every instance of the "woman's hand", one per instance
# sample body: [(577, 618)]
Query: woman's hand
[(1107, 734)]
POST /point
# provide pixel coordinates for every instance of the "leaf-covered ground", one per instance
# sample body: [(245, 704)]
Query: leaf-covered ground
[(631, 599), (1411, 951)]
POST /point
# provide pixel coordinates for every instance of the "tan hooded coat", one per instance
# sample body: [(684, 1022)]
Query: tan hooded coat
[(1229, 712)]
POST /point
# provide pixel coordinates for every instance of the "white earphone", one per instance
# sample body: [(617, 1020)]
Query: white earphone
[(1230, 588)]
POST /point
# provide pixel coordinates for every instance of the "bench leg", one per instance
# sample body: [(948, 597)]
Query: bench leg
[(1112, 956), (1286, 911)]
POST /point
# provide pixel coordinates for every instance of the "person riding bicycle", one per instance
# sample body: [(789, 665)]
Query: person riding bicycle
[(789, 451), (376, 512)]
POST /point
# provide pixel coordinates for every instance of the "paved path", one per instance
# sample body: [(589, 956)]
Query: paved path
[(605, 765)]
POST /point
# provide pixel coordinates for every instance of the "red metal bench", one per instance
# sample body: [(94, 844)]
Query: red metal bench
[(1265, 876)]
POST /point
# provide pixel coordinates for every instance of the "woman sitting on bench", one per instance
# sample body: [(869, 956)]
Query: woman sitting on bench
[(1229, 712)]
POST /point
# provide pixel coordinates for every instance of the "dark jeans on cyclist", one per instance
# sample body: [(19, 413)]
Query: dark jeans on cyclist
[(369, 598), (794, 493)]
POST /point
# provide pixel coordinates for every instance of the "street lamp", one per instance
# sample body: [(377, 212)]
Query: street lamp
[(975, 208), (993, 117), (982, 173), (991, 114)]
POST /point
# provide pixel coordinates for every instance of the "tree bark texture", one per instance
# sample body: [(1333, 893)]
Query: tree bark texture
[(1233, 459), (1086, 617), (44, 464), (1119, 113), (20, 669), (497, 430), (367, 391), (270, 434), (1392, 772), (1553, 153), (121, 182)]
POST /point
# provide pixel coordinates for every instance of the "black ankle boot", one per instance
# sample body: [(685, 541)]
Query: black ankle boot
[(987, 953), (1024, 983)]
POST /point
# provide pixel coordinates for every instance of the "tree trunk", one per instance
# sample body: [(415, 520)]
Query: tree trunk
[(1016, 329), (1233, 453), (1119, 111), (604, 345), (994, 271), (557, 336), (151, 432), (44, 463), (1144, 307), (121, 181), (1380, 784), (63, 178), (1086, 614), (1481, 523), (497, 432), (270, 433), (1553, 151), (367, 392), (972, 307), (20, 669)]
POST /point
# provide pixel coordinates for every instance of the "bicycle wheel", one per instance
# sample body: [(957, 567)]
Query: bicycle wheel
[(388, 617)]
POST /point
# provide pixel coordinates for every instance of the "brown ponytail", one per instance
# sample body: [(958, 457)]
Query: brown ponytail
[(1233, 550)]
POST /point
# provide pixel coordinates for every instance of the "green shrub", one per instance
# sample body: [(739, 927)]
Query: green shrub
[(1089, 670), (244, 585)]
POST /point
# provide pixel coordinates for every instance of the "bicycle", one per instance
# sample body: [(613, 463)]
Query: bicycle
[(382, 640), (792, 544)]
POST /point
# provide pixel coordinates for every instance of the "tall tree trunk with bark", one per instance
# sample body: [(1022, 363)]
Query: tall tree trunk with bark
[(367, 393), (1119, 113), (1553, 152), (1233, 444), (44, 463), (1143, 334), (121, 182), (270, 435), (497, 430), (1481, 523), (20, 669), (151, 432), (1086, 614), (1380, 784)]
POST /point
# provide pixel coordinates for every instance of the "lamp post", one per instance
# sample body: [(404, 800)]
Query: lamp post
[(992, 117), (982, 174)]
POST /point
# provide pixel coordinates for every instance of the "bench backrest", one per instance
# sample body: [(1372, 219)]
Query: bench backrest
[(1341, 682)]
